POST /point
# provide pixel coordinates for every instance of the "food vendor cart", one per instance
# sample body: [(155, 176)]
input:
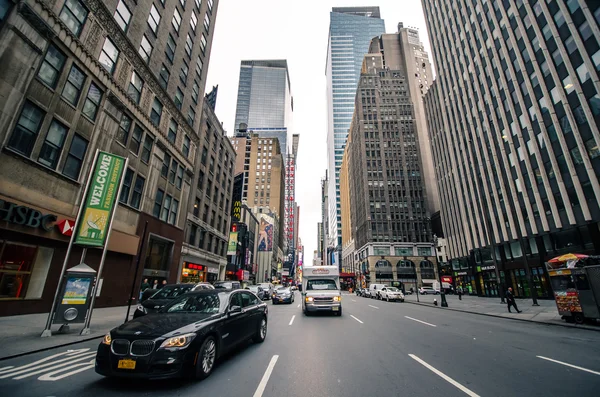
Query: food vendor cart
[(576, 285)]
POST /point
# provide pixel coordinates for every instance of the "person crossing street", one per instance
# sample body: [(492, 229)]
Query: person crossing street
[(510, 300)]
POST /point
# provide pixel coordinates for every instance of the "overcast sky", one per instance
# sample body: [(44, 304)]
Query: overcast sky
[(296, 30)]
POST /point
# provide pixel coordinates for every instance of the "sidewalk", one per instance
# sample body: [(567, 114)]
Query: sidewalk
[(20, 335), (545, 313)]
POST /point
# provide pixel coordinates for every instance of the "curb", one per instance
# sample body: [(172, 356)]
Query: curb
[(565, 325), (50, 348)]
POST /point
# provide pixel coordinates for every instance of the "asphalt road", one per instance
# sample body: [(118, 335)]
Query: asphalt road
[(375, 349)]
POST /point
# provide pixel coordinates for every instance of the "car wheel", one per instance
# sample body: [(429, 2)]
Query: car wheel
[(207, 356), (261, 332)]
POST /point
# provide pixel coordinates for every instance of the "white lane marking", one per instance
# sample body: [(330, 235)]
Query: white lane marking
[(445, 377), (422, 322), (28, 374), (263, 382), (353, 300), (72, 355), (84, 367), (374, 307), (356, 319), (292, 320), (569, 365), (298, 305)]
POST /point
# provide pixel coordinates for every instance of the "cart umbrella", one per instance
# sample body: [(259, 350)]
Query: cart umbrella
[(567, 257)]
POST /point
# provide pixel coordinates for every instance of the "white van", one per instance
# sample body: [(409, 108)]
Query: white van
[(321, 289), (374, 290)]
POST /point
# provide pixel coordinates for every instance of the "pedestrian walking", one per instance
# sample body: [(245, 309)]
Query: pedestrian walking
[(459, 291), (163, 283), (510, 300), (145, 285), (155, 285)]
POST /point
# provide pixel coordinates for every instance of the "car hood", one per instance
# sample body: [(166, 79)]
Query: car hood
[(164, 324), (153, 303)]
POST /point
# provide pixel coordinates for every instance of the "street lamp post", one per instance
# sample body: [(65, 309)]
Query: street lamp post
[(444, 303)]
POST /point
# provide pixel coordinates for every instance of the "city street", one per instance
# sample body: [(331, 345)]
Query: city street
[(375, 349)]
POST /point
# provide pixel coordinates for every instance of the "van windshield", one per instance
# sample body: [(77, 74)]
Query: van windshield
[(321, 285)]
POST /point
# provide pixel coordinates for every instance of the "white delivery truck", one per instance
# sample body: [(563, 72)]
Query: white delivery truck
[(321, 289)]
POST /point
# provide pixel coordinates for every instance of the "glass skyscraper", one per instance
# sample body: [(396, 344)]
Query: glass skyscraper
[(350, 32), (265, 101)]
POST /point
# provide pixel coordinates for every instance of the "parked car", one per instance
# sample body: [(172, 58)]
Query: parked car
[(391, 294), (227, 285), (428, 291), (185, 338), (366, 293), (283, 294), (258, 290), (374, 289), (161, 297), (358, 291), (269, 288)]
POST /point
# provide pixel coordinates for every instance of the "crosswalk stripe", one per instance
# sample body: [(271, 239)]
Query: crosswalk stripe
[(71, 356), (50, 376), (36, 371)]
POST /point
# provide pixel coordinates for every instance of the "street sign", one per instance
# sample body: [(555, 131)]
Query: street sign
[(103, 186)]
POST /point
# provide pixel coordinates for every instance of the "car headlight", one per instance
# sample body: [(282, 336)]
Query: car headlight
[(337, 298), (142, 309), (178, 342), (107, 339), (309, 299)]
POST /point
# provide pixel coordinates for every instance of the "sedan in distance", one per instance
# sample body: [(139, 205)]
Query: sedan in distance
[(428, 291), (258, 290), (283, 295), (391, 294), (185, 338)]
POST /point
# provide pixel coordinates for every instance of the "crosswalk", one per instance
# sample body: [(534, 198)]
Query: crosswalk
[(54, 367)]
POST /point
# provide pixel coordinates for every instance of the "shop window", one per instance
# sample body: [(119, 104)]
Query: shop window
[(23, 270)]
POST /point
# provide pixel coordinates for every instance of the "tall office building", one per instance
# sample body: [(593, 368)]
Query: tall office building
[(265, 102), (350, 32), (383, 195), (514, 116), (126, 77)]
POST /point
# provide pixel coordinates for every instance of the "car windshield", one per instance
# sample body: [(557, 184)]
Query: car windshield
[(393, 289), (253, 288), (171, 292), (321, 285), (208, 304)]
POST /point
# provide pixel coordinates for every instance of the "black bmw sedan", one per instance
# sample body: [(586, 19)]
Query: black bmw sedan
[(185, 337)]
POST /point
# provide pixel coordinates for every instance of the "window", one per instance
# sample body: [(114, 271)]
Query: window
[(576, 155), (568, 85), (583, 73), (25, 133), (173, 171), (423, 251), (557, 57), (51, 66), (570, 45), (74, 85), (164, 77), (200, 180), (172, 135), (585, 31), (136, 139), (203, 43), (156, 112), (126, 188), (75, 157), (178, 98), (174, 209), (186, 146), (176, 21), (122, 15), (164, 171), (559, 19), (179, 180), (184, 72), (164, 214), (145, 50), (55, 138), (135, 87), (153, 19), (206, 22), (170, 49), (191, 116), (204, 155), (23, 270), (193, 21), (92, 102), (138, 189), (195, 91), (199, 67), (147, 149), (189, 45), (158, 202), (592, 148), (124, 127), (109, 55), (74, 14)]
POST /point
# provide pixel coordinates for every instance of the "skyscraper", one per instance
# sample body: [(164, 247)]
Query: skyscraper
[(514, 123), (350, 32)]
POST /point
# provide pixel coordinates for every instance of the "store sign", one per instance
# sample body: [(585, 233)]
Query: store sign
[(212, 270), (66, 227), (233, 241), (193, 266), (22, 215), (460, 273), (490, 267), (100, 201)]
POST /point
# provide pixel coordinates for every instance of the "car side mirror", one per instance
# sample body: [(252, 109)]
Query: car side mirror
[(235, 309)]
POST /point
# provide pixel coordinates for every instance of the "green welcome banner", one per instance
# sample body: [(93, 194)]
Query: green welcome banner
[(100, 201)]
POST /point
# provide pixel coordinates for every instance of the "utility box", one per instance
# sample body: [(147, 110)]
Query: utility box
[(75, 295)]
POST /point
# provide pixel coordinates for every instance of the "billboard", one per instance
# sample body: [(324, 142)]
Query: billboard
[(265, 235), (100, 201), (236, 197), (233, 241)]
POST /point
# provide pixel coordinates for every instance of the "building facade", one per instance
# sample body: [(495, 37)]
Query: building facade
[(350, 32), (513, 122), (85, 75), (387, 213)]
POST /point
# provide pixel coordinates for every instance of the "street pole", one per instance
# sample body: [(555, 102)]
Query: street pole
[(137, 266), (444, 303)]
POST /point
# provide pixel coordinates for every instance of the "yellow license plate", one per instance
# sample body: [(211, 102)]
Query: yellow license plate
[(126, 364), (335, 308)]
